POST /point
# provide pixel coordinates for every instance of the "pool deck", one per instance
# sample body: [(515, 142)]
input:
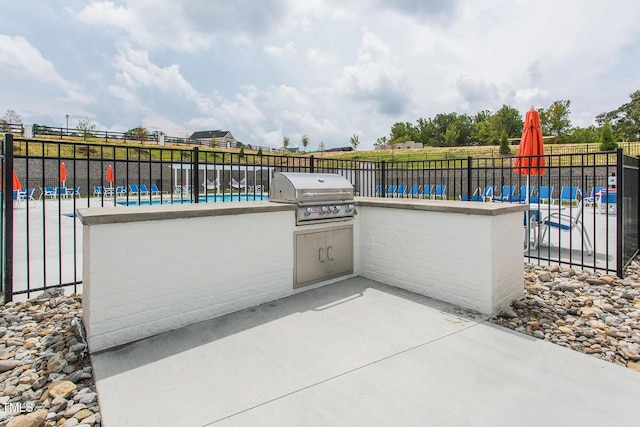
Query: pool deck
[(358, 353)]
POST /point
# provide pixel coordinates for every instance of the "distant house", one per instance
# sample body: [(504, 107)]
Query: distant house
[(407, 145), (218, 138)]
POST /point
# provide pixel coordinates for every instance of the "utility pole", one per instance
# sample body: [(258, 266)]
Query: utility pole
[(67, 133)]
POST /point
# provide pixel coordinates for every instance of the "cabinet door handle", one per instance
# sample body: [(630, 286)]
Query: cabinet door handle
[(330, 253), (321, 255)]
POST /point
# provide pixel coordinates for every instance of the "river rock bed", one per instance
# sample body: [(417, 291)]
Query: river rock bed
[(45, 372), (593, 313)]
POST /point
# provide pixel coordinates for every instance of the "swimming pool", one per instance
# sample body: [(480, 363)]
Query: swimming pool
[(211, 198)]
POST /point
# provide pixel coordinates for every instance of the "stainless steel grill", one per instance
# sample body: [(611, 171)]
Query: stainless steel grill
[(321, 197)]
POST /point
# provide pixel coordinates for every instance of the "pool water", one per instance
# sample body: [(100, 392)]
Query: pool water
[(202, 199)]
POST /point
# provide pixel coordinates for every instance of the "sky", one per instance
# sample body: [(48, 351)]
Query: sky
[(328, 69)]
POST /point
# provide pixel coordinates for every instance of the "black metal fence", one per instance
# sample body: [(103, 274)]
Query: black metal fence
[(42, 236)]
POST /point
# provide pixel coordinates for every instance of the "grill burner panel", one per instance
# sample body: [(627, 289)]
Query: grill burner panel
[(320, 197)]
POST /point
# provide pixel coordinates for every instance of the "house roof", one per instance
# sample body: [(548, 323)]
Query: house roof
[(208, 134)]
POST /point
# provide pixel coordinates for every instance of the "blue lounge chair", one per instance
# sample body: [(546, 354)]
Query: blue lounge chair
[(133, 190), (507, 193), (121, 191), (144, 191), (567, 195), (522, 196), (402, 190), (378, 190), (64, 192), (475, 197), (415, 191), (97, 191), (50, 192), (155, 191), (591, 199), (488, 193), (545, 193), (391, 190), (440, 192), (426, 191)]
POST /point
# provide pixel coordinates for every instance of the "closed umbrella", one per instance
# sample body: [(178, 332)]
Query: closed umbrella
[(110, 177), (63, 174), (16, 182), (530, 158)]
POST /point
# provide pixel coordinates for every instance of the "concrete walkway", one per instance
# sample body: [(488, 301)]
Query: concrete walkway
[(358, 353)]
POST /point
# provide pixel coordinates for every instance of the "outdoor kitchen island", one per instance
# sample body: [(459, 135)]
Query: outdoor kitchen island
[(151, 269)]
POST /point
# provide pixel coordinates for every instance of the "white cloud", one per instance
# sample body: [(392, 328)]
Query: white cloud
[(281, 51), (375, 79), (21, 59)]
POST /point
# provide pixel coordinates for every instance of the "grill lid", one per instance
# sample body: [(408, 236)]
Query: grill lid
[(298, 187)]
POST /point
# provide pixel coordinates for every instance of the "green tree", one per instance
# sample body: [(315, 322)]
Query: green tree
[(452, 135), (555, 119), (355, 141), (305, 141), (504, 144), (625, 120), (507, 119), (464, 126), (481, 116), (441, 123), (401, 132), (86, 128), (581, 135), (425, 131), (285, 142), (607, 143), (259, 151), (381, 141), (141, 134), (483, 134)]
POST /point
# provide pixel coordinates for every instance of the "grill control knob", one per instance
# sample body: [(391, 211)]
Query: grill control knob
[(336, 209), (308, 211), (349, 208), (324, 210)]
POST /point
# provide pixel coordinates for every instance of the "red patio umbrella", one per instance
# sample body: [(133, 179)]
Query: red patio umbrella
[(530, 159), (110, 177), (63, 173), (16, 182)]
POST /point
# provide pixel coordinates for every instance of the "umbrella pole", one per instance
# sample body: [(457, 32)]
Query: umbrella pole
[(527, 216)]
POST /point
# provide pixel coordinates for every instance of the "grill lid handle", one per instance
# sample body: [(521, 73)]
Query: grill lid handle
[(329, 193)]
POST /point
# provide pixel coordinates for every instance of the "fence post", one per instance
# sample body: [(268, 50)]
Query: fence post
[(8, 218), (311, 164), (195, 178), (383, 175), (469, 180), (619, 206)]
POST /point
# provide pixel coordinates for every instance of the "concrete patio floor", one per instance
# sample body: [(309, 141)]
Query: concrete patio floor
[(358, 353)]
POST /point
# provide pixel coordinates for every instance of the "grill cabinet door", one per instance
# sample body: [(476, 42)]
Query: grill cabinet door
[(339, 247), (322, 254)]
